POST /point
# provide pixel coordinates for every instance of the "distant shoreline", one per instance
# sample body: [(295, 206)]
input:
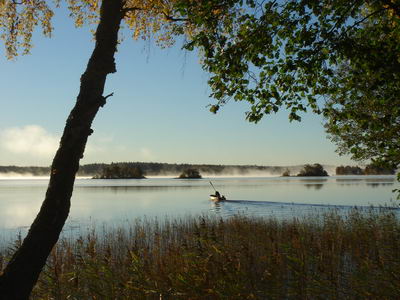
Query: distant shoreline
[(167, 169), (205, 177), (154, 169)]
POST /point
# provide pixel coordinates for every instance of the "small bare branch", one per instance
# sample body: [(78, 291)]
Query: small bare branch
[(109, 95), (103, 99)]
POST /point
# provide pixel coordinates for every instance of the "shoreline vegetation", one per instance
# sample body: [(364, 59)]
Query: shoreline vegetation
[(370, 169), (328, 256), (318, 170)]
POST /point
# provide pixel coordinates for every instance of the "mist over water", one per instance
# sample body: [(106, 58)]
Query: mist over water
[(29, 176), (240, 174), (274, 171), (166, 171), (13, 175)]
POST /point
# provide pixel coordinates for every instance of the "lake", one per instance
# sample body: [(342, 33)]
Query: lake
[(98, 201)]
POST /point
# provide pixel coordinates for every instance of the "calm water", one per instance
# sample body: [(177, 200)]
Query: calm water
[(114, 201)]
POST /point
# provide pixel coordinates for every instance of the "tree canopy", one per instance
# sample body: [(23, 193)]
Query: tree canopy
[(363, 110), (340, 58), (275, 54), (160, 19)]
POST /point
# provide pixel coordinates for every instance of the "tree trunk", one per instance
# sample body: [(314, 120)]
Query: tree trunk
[(22, 272)]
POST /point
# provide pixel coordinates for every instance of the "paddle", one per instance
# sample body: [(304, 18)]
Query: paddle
[(213, 186)]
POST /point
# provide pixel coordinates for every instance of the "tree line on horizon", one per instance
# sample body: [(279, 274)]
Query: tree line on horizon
[(371, 169), (100, 170), (155, 168)]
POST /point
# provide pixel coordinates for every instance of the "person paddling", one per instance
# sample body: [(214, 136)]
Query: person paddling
[(217, 196)]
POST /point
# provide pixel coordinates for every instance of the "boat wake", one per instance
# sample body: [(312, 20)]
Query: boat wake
[(292, 204)]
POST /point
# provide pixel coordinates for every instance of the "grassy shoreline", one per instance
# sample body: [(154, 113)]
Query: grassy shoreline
[(330, 256)]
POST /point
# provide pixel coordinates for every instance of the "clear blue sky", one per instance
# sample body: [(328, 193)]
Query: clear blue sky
[(158, 112)]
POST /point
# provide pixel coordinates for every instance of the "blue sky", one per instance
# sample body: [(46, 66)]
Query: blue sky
[(158, 112)]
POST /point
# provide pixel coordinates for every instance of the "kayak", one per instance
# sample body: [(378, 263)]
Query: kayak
[(217, 198)]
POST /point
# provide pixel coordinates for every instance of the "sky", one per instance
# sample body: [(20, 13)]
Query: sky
[(158, 112)]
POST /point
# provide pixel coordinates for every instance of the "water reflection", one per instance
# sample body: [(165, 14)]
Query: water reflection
[(377, 184), (216, 206), (120, 188), (316, 186), (370, 181), (349, 180), (313, 179), (116, 200)]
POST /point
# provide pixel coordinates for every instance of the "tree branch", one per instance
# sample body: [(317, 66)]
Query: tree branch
[(363, 19), (103, 99), (172, 19), (109, 95), (129, 9)]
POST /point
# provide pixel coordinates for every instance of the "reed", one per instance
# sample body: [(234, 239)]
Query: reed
[(330, 256)]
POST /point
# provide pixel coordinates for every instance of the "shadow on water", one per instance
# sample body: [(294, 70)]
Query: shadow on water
[(316, 186), (377, 184), (313, 179), (144, 188), (370, 184)]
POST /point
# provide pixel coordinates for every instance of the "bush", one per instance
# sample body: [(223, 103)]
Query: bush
[(313, 170)]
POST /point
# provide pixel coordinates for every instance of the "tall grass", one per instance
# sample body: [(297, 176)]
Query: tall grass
[(332, 256)]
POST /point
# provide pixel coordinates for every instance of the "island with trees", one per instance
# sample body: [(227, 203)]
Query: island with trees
[(120, 171), (190, 174), (313, 170)]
